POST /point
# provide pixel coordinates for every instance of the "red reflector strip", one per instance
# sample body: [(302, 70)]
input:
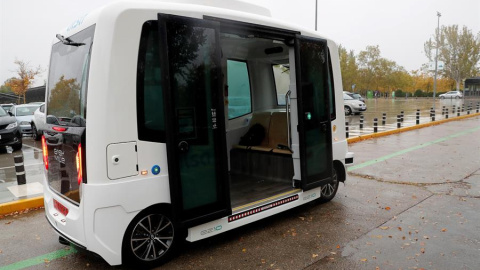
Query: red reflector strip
[(79, 164), (62, 209), (262, 208), (60, 129), (45, 153)]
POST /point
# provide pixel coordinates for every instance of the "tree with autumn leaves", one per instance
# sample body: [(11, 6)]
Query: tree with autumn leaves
[(368, 70), (26, 75)]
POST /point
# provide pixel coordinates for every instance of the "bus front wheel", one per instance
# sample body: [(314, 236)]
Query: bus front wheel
[(151, 239)]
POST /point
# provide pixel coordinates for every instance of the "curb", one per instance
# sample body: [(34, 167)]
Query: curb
[(20, 205), (404, 129), (10, 207)]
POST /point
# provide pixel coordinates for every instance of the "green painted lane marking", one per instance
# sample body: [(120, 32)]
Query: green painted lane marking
[(374, 161), (46, 258)]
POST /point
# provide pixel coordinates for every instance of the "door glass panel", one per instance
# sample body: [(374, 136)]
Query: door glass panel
[(191, 52), (317, 156)]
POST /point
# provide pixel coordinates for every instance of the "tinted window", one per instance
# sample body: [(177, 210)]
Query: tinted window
[(66, 106), (68, 77), (331, 89), (150, 110), (239, 96)]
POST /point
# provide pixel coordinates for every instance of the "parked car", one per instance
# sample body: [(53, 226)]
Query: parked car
[(38, 122), (24, 115), (355, 96), (451, 94), (10, 134), (7, 107), (352, 105)]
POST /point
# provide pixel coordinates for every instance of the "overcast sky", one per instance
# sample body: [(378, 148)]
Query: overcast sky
[(400, 27)]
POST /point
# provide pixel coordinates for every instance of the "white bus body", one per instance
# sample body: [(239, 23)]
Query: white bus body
[(186, 82)]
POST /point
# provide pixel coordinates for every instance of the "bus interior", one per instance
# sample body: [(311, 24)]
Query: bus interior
[(257, 79)]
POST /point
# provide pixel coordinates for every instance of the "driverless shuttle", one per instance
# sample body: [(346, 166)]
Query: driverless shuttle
[(169, 122)]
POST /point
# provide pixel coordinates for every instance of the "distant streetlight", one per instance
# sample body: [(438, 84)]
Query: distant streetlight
[(436, 61)]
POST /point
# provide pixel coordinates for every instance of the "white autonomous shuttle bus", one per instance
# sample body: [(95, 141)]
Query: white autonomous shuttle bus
[(173, 121)]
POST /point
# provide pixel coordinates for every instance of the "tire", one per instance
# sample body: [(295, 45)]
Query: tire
[(151, 239), (19, 144), (442, 97), (36, 136), (329, 190), (348, 110), (457, 97)]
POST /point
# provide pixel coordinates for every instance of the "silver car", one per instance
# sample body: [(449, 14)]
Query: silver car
[(24, 116), (451, 94), (352, 105)]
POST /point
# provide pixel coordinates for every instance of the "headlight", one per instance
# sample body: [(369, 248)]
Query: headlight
[(12, 125), (24, 123)]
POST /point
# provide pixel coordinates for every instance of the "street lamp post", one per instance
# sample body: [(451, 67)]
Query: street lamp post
[(316, 10), (436, 61)]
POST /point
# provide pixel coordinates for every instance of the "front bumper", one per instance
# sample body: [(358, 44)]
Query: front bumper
[(9, 136), (26, 129)]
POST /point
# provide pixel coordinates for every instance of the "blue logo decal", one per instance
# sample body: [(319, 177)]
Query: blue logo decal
[(156, 169)]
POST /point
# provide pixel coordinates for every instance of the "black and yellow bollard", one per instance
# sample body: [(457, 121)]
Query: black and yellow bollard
[(375, 125), (384, 118), (417, 117), (399, 123)]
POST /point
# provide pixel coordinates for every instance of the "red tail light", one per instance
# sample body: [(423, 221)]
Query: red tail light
[(45, 152), (79, 164), (60, 129)]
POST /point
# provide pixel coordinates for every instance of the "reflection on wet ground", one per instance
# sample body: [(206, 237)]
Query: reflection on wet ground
[(394, 107), (33, 164)]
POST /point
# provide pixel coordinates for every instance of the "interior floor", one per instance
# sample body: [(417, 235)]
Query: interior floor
[(246, 189)]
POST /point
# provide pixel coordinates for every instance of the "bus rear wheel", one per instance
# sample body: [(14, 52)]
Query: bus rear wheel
[(330, 190), (150, 240)]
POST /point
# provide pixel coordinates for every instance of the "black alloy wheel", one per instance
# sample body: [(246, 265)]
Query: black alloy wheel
[(150, 240), (330, 190)]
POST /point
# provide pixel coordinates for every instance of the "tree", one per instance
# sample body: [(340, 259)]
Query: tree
[(369, 65), (26, 76), (349, 68), (5, 89), (459, 50)]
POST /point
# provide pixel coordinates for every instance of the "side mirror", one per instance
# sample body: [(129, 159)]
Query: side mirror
[(9, 112)]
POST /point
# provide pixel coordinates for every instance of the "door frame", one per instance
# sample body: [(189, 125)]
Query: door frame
[(305, 183), (222, 208)]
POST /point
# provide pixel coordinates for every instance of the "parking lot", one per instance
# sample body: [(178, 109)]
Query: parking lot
[(406, 197)]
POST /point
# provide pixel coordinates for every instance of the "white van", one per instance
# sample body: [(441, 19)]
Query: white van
[(169, 122)]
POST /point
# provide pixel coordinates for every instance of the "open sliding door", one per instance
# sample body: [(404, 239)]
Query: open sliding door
[(311, 58), (190, 63)]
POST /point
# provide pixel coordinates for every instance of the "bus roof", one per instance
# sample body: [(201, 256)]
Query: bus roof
[(232, 10)]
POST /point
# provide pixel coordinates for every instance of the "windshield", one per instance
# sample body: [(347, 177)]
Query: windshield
[(23, 111), (66, 107), (3, 112), (347, 97)]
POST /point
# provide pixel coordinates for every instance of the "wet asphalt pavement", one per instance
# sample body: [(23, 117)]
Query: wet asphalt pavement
[(411, 202)]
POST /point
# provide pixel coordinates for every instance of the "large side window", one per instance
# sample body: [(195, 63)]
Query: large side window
[(150, 107), (281, 74), (239, 95)]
